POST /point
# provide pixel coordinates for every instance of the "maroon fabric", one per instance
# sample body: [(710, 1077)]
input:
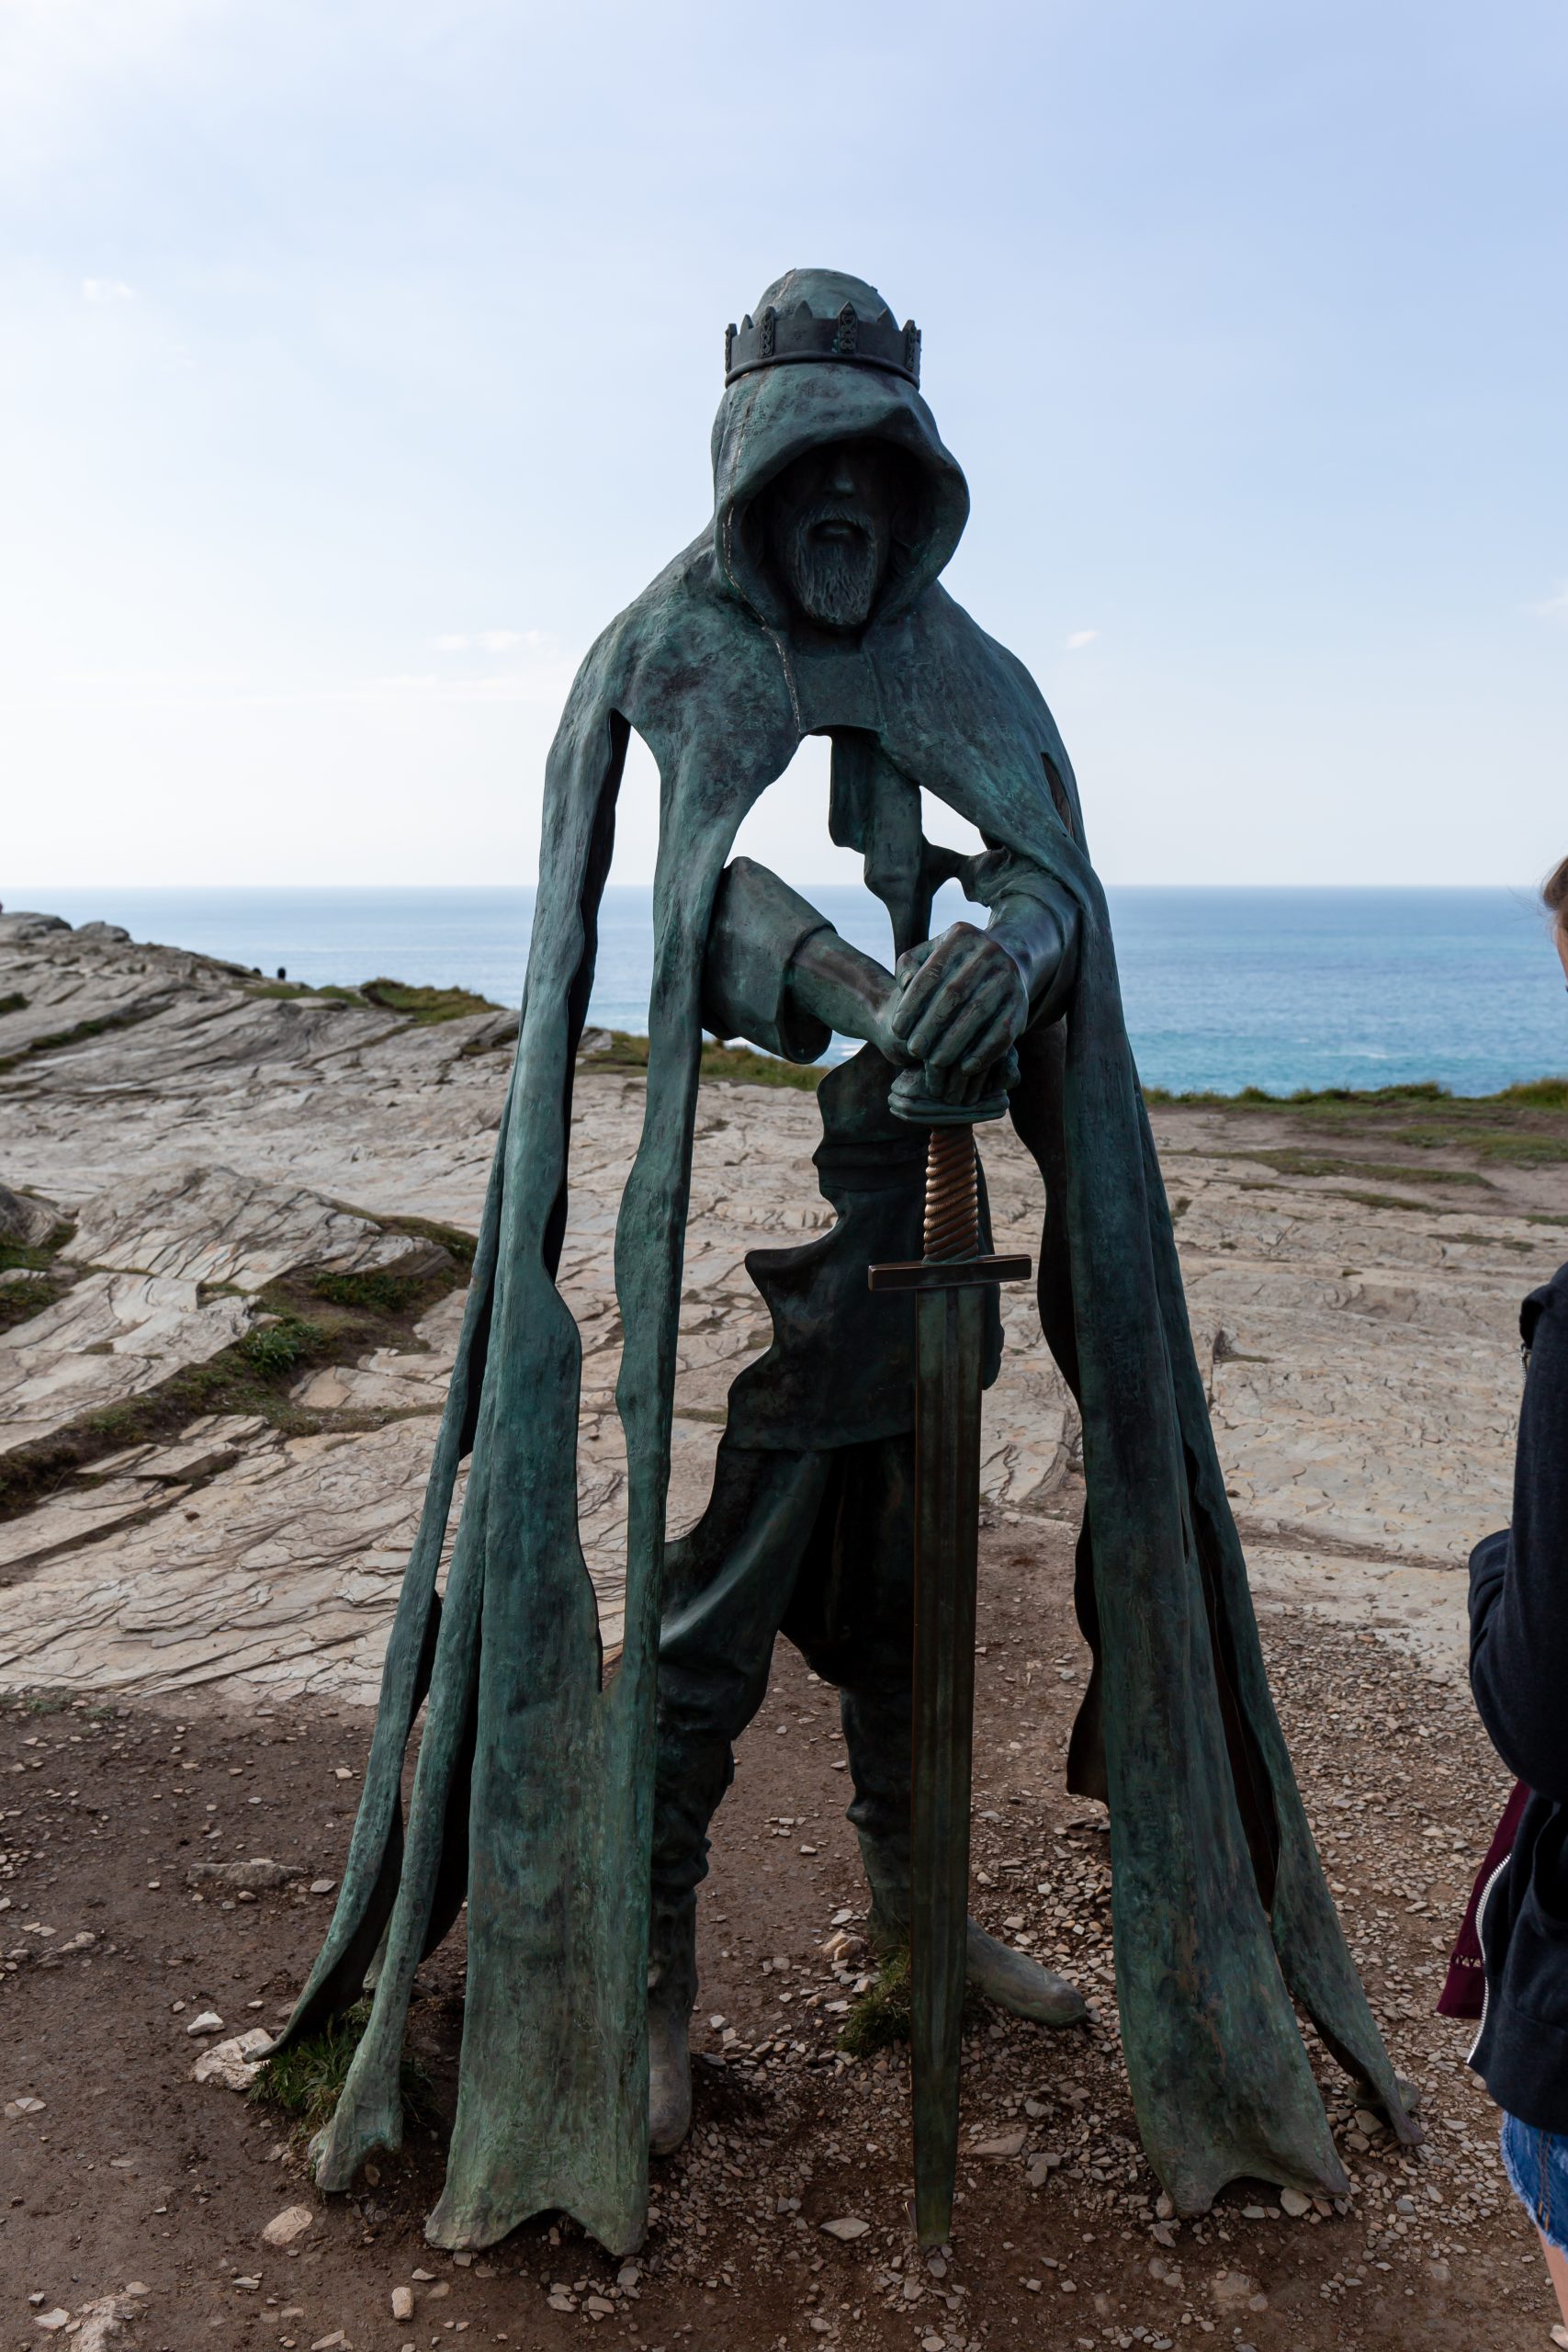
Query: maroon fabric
[(1463, 1991)]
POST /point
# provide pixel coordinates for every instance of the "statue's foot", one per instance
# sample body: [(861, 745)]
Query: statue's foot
[(668, 2081), (1019, 1984)]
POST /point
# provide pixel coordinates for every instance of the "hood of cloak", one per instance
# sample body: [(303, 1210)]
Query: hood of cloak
[(773, 415), (532, 1792)]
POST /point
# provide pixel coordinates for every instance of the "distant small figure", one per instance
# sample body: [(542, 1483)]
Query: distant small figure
[(282, 972)]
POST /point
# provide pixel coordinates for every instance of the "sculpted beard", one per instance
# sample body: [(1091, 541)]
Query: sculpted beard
[(834, 572)]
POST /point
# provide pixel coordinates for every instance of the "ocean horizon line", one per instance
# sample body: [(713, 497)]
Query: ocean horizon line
[(1282, 987)]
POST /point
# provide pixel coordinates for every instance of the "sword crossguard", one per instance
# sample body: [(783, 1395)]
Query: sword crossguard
[(952, 1258), (949, 1273)]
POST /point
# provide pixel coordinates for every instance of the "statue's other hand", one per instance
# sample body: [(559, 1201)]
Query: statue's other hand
[(962, 1001)]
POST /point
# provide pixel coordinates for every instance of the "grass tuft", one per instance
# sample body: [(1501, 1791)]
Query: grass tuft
[(306, 2082), (881, 2017), (43, 1702), (274, 1349), (13, 1002)]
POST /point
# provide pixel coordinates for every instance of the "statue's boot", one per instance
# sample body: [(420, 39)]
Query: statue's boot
[(1014, 1981), (672, 1995)]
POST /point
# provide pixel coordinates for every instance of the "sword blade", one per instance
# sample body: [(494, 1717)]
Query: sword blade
[(950, 1330)]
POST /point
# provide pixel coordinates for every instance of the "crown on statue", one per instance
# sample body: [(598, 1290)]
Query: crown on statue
[(780, 338)]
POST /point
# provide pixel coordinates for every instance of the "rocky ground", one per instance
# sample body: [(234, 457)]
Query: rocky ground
[(230, 1270)]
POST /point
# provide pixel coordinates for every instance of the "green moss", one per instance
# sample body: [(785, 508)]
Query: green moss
[(287, 991), (1539, 1094), (81, 1031), (1290, 1160), (426, 1005), (881, 2017), (117, 1424), (24, 1258), (738, 1064), (1384, 1201), (42, 1703), (274, 1349), (378, 1291), (252, 1377), (1524, 1125), (14, 1002), (21, 1301), (306, 2082), (741, 1067), (420, 1005), (457, 1244)]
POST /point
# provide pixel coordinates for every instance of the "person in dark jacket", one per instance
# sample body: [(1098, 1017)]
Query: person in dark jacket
[(1518, 1672)]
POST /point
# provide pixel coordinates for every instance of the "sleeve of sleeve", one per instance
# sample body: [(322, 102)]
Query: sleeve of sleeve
[(1035, 918), (999, 874), (1519, 1589), (759, 927)]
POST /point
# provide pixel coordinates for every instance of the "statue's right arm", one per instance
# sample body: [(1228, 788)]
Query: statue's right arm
[(778, 974)]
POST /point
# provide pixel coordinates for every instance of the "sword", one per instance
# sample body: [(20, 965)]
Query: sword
[(949, 1283)]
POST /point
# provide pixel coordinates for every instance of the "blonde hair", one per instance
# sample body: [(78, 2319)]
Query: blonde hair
[(1554, 897)]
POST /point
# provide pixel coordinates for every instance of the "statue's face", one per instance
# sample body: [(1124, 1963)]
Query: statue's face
[(828, 521)]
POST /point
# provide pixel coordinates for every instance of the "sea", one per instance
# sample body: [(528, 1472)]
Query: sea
[(1224, 988)]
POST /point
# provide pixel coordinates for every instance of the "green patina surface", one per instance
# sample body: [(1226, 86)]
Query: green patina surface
[(532, 1792)]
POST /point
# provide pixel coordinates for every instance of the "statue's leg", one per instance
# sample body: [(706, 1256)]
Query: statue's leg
[(729, 1583), (854, 1616)]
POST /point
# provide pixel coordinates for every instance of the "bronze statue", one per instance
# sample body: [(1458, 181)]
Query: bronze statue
[(574, 1816)]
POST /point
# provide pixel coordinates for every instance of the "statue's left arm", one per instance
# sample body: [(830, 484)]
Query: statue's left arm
[(968, 995)]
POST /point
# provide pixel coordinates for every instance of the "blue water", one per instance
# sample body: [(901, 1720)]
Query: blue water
[(1224, 988)]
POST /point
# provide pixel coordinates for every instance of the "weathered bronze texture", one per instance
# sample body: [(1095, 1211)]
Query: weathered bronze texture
[(571, 1814)]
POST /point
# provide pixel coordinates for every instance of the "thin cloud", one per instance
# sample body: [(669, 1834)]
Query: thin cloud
[(1554, 607), (1079, 637), (493, 641), (107, 289), (539, 673)]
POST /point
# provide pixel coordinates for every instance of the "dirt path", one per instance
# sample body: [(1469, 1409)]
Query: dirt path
[(132, 2174)]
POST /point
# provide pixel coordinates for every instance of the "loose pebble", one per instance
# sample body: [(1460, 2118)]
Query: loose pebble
[(285, 2227)]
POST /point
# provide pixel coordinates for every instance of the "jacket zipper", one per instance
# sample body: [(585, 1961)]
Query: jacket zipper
[(1485, 1977)]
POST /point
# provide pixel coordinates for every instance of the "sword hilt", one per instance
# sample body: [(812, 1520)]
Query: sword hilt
[(953, 1194), (952, 1237)]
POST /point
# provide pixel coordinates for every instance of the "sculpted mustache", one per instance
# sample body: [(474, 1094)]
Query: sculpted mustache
[(820, 515)]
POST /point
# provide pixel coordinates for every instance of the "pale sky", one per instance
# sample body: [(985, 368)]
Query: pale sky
[(358, 360)]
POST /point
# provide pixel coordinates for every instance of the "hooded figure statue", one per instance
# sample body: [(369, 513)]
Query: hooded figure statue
[(572, 1813)]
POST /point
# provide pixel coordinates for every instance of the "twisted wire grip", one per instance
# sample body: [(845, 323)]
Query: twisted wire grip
[(953, 1194)]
